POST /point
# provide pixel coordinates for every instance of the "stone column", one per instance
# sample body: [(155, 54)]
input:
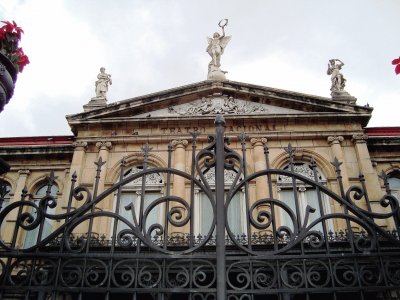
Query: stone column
[(78, 158), (260, 165), (12, 216), (104, 150), (337, 151), (178, 188), (366, 168), (102, 225), (371, 178)]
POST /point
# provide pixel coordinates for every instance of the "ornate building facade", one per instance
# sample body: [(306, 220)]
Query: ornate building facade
[(132, 199)]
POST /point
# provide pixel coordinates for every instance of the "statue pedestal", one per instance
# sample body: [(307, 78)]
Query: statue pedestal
[(216, 74), (95, 103), (343, 96)]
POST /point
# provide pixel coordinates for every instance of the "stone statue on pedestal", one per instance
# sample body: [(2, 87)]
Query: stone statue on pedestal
[(338, 81), (216, 46), (102, 83)]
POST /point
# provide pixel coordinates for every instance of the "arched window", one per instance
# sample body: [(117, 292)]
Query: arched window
[(31, 237), (394, 183), (131, 194), (4, 194), (236, 209), (306, 195)]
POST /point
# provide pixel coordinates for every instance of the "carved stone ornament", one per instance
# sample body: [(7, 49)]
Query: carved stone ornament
[(258, 141), (303, 169), (220, 104), (335, 139), (360, 138), (229, 176), (80, 145), (179, 143), (151, 179), (104, 145)]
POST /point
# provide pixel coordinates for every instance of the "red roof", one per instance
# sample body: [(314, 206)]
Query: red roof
[(383, 131), (37, 140)]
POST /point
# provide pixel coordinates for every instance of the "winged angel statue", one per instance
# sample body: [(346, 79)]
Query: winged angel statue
[(216, 46)]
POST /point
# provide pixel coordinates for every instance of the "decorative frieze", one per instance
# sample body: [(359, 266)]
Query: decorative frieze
[(221, 104)]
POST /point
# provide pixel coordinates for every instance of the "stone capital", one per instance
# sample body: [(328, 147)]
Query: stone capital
[(258, 141), (104, 145), (24, 172), (359, 138), (179, 143), (337, 139), (80, 145)]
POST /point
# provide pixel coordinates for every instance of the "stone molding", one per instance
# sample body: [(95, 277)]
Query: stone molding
[(258, 141), (359, 138), (102, 145), (337, 139)]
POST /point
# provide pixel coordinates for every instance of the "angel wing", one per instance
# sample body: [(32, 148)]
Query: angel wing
[(224, 41)]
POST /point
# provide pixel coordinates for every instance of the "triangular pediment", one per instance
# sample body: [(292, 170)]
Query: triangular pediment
[(207, 98)]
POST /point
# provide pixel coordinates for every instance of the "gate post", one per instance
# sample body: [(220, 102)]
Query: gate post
[(220, 205)]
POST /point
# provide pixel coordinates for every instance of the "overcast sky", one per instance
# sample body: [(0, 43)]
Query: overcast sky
[(151, 45)]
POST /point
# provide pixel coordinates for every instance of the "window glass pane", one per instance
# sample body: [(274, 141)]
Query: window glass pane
[(126, 199), (31, 236), (235, 215), (287, 196), (153, 216), (312, 200), (206, 214)]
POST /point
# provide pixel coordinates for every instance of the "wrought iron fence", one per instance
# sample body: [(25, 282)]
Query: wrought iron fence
[(287, 248)]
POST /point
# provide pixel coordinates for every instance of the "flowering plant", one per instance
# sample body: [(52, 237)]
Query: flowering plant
[(396, 62), (10, 35)]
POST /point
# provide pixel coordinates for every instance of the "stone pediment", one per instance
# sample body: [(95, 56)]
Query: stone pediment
[(207, 98)]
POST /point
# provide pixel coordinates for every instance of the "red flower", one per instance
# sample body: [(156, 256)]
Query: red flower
[(12, 28), (2, 34), (396, 62), (23, 60)]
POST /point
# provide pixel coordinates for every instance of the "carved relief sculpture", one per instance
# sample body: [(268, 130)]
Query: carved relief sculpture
[(217, 105)]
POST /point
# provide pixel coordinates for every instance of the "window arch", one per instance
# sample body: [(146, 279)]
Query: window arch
[(306, 194), (131, 194), (31, 237), (394, 183)]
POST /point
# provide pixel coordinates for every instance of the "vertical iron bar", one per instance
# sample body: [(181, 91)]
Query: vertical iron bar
[(219, 194), (271, 196), (71, 193)]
